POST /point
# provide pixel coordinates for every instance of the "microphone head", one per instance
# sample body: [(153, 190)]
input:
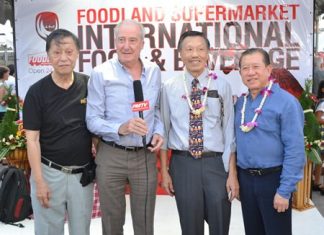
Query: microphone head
[(138, 91)]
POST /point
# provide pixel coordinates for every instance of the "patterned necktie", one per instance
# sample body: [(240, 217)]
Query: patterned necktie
[(196, 138)]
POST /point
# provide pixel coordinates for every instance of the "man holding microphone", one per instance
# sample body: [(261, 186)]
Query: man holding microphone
[(122, 156)]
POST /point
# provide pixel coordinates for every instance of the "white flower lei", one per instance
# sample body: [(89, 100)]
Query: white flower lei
[(202, 108), (246, 127)]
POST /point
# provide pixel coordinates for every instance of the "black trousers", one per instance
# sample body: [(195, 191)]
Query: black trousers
[(259, 216), (200, 192)]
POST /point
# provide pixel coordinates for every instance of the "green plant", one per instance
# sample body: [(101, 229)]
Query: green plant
[(312, 133), (12, 135)]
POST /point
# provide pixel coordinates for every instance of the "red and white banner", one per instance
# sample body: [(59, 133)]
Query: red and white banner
[(282, 27)]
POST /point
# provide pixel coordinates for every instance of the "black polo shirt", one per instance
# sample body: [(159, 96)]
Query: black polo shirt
[(59, 115)]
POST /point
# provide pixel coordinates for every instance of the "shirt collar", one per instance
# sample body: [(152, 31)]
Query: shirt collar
[(275, 87), (203, 77), (124, 68)]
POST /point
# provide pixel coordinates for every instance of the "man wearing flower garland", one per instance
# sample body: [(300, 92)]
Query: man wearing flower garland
[(270, 147), (200, 132), (58, 142)]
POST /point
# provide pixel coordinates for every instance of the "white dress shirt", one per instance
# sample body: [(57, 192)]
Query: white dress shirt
[(218, 128)]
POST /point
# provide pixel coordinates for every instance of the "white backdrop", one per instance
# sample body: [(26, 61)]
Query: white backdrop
[(282, 27)]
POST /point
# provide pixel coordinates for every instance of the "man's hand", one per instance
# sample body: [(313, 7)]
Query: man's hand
[(156, 143), (43, 194), (135, 125), (167, 182), (232, 186), (94, 146), (280, 203)]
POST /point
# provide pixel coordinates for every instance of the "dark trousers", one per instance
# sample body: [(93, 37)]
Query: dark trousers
[(259, 216), (200, 194)]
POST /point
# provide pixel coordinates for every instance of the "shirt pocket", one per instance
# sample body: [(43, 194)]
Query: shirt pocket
[(268, 122), (213, 111)]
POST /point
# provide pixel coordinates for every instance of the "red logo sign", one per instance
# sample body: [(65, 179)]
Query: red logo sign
[(140, 106), (38, 60), (45, 23)]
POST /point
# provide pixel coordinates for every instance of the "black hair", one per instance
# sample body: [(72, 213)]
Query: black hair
[(265, 54), (3, 70), (57, 35), (192, 33), (12, 69)]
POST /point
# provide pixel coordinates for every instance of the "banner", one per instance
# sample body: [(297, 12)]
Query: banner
[(282, 27)]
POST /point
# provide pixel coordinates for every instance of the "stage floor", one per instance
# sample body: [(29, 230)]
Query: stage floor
[(167, 222)]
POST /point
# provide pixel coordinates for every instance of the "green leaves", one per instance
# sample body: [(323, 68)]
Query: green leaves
[(4, 152), (312, 134), (314, 155)]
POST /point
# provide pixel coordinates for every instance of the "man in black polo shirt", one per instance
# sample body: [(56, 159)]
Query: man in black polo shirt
[(58, 142)]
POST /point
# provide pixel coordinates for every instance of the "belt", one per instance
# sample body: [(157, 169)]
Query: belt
[(126, 148), (59, 167), (261, 171), (204, 154)]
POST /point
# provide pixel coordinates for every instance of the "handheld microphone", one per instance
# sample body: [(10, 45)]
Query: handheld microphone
[(138, 93), (139, 105)]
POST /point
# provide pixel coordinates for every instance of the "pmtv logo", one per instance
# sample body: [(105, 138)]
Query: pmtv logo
[(45, 23)]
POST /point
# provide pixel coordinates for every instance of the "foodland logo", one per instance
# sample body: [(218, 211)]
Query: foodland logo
[(38, 60), (45, 23)]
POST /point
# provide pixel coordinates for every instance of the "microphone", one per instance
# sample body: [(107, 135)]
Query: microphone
[(138, 93), (140, 104)]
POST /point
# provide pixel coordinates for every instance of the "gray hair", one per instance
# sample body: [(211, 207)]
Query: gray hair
[(142, 31)]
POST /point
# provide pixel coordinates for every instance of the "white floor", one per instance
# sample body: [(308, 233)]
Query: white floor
[(308, 222)]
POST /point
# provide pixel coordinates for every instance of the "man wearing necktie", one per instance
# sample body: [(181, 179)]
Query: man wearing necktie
[(198, 116), (196, 144)]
